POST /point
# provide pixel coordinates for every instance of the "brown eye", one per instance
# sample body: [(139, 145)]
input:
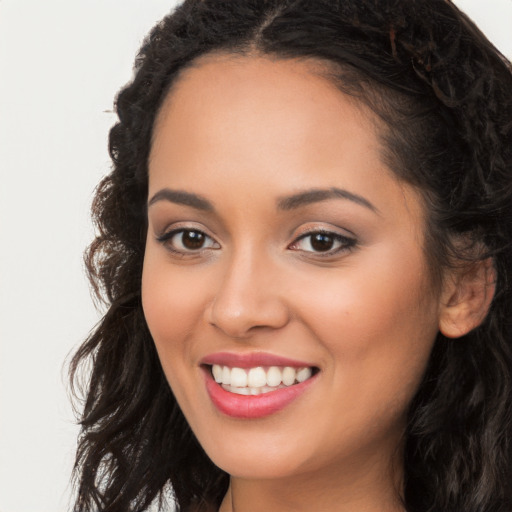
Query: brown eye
[(322, 242), (193, 240), (187, 241)]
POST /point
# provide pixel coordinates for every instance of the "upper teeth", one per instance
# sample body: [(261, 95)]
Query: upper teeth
[(259, 377)]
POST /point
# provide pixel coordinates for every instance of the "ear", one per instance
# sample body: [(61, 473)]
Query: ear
[(466, 298)]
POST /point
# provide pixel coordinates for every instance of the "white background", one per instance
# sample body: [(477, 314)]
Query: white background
[(61, 63)]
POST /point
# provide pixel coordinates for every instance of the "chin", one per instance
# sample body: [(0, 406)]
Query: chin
[(256, 468), (261, 455)]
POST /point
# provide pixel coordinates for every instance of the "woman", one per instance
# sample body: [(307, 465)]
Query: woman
[(305, 249)]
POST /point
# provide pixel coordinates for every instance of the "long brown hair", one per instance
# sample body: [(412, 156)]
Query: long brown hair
[(445, 95)]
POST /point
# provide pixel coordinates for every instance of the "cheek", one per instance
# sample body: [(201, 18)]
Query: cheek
[(378, 323), (375, 300), (172, 304), (172, 307)]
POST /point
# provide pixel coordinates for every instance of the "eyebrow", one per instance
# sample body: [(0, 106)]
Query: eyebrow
[(291, 202), (182, 197), (316, 195)]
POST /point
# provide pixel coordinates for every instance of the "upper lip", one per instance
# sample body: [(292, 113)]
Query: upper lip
[(251, 360)]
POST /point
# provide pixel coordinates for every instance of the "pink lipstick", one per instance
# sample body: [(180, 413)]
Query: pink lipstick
[(255, 385)]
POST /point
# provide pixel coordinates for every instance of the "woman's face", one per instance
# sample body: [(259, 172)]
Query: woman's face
[(280, 247)]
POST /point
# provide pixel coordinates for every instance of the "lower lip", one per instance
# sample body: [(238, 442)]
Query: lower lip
[(253, 406)]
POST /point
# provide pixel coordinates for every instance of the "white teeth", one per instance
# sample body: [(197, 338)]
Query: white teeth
[(274, 376), (289, 376), (251, 391), (303, 374), (238, 378), (217, 372), (256, 378), (255, 381), (226, 374)]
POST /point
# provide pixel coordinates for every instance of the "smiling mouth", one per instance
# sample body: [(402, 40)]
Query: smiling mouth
[(259, 380)]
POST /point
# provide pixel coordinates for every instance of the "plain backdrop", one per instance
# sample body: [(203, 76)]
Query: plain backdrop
[(61, 63)]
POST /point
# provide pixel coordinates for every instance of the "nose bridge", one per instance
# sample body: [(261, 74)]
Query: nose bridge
[(248, 294)]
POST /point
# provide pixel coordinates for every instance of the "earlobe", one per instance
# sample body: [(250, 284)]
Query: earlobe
[(466, 298)]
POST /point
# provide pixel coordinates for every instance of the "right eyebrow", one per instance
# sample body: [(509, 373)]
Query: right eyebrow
[(316, 195), (182, 197)]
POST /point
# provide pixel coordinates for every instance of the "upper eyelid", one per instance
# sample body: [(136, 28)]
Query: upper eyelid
[(332, 230), (334, 234), (184, 226)]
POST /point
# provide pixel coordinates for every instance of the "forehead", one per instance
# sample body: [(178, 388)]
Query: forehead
[(255, 124), (260, 103)]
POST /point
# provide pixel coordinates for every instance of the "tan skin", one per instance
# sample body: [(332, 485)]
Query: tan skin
[(242, 133)]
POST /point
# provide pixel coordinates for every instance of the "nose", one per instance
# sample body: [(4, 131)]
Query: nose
[(250, 297)]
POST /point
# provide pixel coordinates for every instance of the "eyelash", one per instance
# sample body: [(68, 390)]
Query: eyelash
[(344, 243)]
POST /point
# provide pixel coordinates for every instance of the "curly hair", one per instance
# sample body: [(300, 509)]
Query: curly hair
[(444, 94)]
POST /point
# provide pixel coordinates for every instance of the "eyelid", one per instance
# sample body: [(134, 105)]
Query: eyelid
[(323, 227), (177, 226)]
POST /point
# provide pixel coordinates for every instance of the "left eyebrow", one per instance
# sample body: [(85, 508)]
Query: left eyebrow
[(316, 195)]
